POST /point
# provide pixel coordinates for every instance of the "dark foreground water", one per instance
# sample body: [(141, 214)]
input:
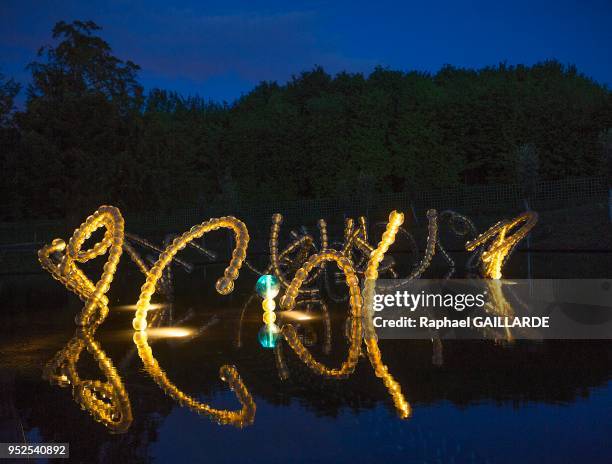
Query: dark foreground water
[(473, 402)]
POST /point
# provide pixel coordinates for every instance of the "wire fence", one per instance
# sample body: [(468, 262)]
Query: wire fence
[(568, 200)]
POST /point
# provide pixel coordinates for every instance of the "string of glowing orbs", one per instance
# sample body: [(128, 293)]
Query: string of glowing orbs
[(71, 276), (354, 238), (502, 244)]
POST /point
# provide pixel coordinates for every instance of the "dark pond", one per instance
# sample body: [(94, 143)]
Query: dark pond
[(475, 402)]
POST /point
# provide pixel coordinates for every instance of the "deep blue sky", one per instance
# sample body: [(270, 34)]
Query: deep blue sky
[(220, 49)]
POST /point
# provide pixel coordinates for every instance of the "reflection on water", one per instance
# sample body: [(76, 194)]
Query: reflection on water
[(229, 374), (107, 402), (554, 384)]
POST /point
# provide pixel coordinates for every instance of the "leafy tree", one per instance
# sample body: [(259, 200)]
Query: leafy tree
[(81, 65), (8, 91), (78, 128), (89, 135), (8, 136)]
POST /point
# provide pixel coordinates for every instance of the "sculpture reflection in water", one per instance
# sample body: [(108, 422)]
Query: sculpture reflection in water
[(355, 257), (108, 402)]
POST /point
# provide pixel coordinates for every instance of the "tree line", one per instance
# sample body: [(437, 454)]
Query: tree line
[(89, 134)]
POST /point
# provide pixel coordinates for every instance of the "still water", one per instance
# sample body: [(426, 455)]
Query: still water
[(472, 401)]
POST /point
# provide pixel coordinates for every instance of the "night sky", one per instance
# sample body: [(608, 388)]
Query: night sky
[(220, 49)]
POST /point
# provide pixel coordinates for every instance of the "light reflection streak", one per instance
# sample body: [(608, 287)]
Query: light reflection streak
[(298, 316), (171, 332), (132, 308)]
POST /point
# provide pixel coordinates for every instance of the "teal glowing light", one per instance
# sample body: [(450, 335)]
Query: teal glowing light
[(268, 335), (267, 286)]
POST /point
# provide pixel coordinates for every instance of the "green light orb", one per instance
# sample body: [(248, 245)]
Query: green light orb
[(267, 286), (268, 335)]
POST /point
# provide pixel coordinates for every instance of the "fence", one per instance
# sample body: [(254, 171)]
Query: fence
[(479, 200), (572, 199)]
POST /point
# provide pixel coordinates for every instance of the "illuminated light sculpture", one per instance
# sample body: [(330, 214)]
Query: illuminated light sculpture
[(430, 248), (323, 232), (69, 274), (136, 258), (371, 340), (461, 226), (268, 287), (72, 277), (277, 220), (421, 266), (107, 402), (229, 374), (355, 239), (376, 255), (224, 284), (300, 245), (322, 225), (502, 244), (164, 284), (283, 371), (145, 243), (288, 302), (349, 235), (492, 259)]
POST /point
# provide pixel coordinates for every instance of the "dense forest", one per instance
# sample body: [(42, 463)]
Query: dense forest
[(89, 134)]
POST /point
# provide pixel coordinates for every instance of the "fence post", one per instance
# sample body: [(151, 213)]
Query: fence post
[(610, 203), (527, 208)]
